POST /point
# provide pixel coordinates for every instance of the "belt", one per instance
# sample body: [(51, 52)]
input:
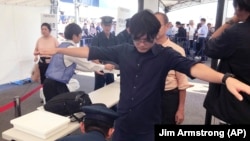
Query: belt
[(43, 59)]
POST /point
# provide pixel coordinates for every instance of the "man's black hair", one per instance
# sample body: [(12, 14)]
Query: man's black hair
[(96, 125), (242, 4), (47, 25), (178, 23), (144, 23), (203, 19), (72, 29)]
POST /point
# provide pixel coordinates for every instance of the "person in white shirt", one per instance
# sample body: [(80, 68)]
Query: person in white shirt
[(190, 34), (202, 35)]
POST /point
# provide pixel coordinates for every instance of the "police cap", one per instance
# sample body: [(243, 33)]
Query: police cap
[(107, 20), (100, 112)]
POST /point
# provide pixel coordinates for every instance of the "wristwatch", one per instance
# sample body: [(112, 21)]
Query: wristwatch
[(225, 77)]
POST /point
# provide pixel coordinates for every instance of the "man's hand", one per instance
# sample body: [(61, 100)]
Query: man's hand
[(235, 87), (109, 67)]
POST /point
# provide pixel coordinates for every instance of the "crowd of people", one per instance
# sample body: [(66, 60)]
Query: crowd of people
[(191, 38), (154, 70)]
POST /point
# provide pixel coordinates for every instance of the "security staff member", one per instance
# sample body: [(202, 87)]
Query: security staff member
[(104, 39), (124, 36), (97, 124)]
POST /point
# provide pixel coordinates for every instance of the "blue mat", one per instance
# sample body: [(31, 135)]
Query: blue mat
[(22, 82)]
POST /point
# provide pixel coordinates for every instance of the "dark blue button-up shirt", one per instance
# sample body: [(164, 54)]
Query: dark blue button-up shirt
[(142, 82)]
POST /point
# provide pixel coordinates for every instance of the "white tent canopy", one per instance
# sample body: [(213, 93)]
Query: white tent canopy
[(20, 29), (39, 3)]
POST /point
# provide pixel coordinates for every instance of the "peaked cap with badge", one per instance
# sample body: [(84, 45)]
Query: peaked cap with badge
[(107, 20)]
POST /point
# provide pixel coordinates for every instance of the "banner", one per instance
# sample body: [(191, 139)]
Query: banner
[(52, 20)]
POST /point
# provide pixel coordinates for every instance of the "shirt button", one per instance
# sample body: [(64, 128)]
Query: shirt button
[(134, 87), (138, 65), (130, 110), (136, 76), (132, 98)]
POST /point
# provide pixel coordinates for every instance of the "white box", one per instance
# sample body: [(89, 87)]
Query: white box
[(42, 124)]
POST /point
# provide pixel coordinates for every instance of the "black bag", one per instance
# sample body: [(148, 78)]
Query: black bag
[(67, 104)]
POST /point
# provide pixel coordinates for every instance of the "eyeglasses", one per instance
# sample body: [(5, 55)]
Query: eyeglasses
[(144, 41)]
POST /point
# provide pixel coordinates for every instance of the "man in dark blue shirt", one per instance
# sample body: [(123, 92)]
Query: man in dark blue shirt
[(143, 69)]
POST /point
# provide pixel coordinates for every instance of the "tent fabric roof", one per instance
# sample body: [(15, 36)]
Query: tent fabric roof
[(38, 3), (172, 5), (169, 4)]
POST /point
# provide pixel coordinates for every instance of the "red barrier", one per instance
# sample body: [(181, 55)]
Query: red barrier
[(11, 104)]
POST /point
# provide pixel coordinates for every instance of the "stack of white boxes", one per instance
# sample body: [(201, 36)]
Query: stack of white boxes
[(41, 123)]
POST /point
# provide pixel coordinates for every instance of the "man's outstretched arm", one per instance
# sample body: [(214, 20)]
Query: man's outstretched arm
[(82, 52), (205, 73)]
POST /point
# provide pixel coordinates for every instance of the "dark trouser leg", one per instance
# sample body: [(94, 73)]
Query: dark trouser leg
[(198, 49), (99, 81), (52, 88), (202, 42), (170, 102), (191, 44), (42, 67), (109, 78)]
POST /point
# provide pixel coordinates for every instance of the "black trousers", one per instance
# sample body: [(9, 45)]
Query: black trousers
[(200, 47), (52, 88), (42, 67), (170, 103), (101, 80)]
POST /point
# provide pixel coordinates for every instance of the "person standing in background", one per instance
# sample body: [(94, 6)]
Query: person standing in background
[(202, 35), (104, 39), (124, 36), (190, 34), (45, 42), (231, 44), (173, 98), (210, 30), (62, 67), (92, 30)]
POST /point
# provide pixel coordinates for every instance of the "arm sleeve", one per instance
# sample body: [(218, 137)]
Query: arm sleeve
[(222, 46), (83, 64), (181, 63), (108, 54)]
